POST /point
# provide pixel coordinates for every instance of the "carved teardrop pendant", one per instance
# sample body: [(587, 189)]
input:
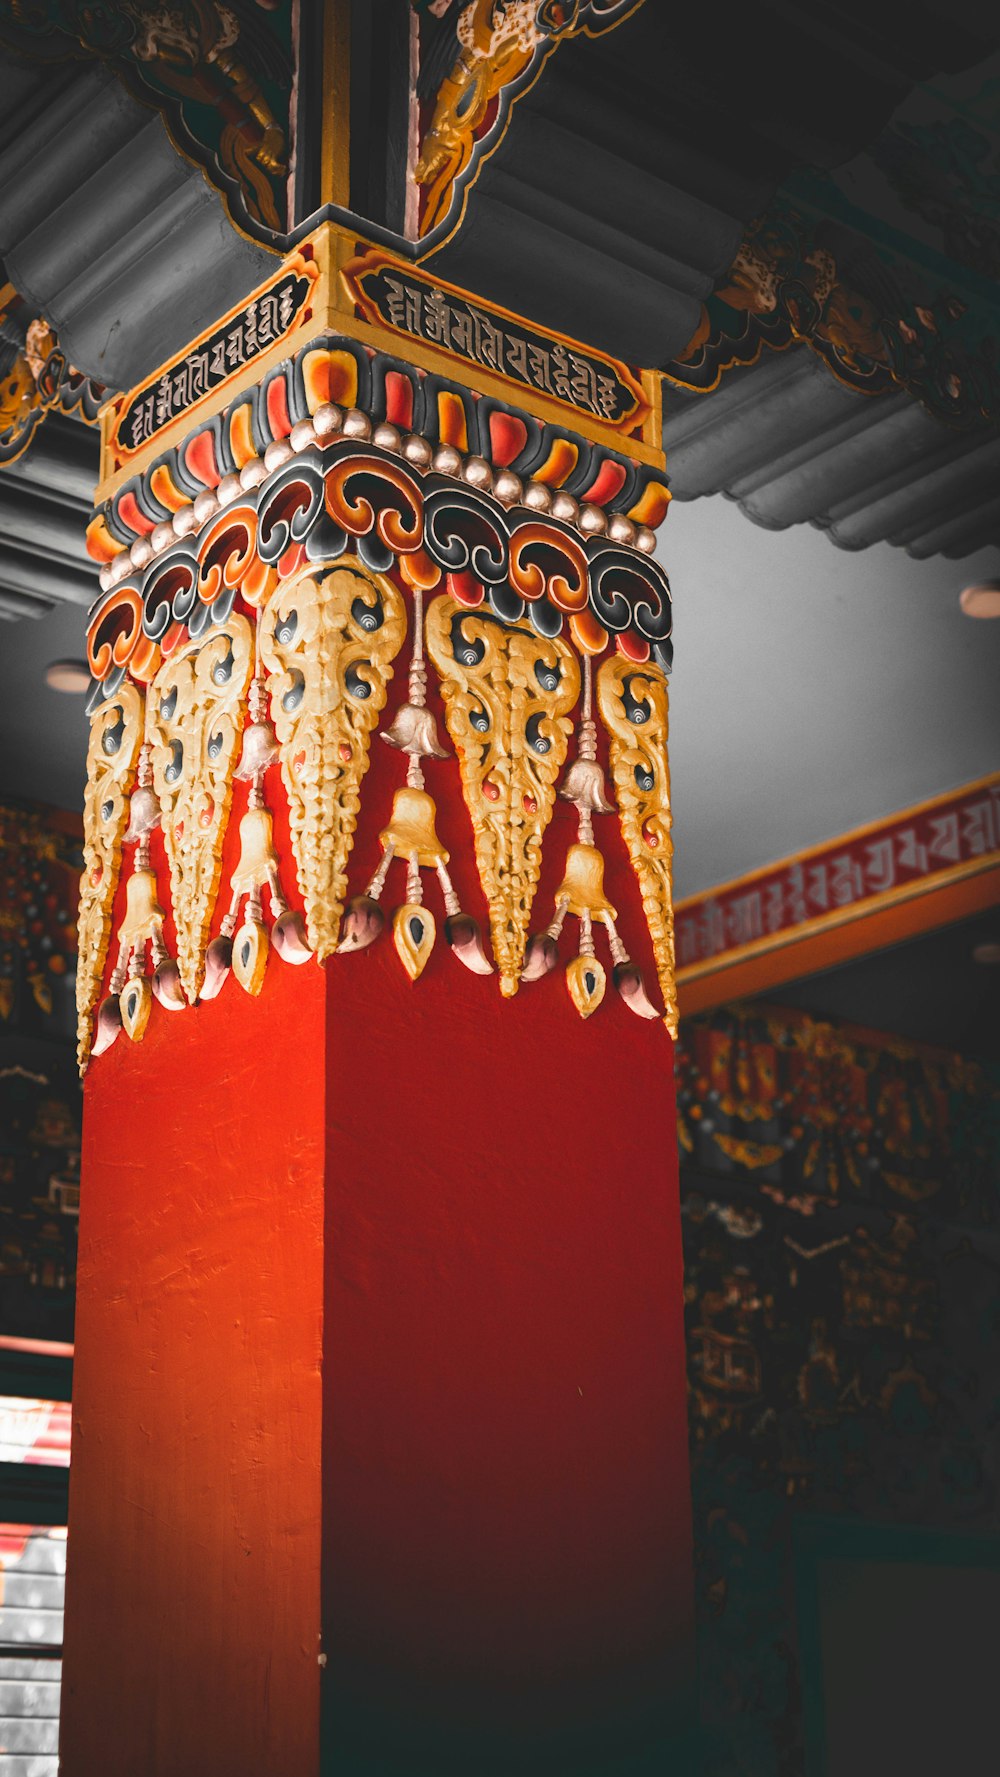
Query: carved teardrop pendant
[(413, 932), (586, 981), (135, 1001), (250, 947)]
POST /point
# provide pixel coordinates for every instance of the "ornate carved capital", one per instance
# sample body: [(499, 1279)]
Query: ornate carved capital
[(261, 617)]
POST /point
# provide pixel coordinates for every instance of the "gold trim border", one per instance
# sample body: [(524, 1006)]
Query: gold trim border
[(312, 320), (331, 307), (645, 446)]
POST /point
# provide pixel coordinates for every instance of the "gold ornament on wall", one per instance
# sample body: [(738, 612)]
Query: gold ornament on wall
[(328, 642), (194, 724), (507, 693), (115, 739), (633, 706)]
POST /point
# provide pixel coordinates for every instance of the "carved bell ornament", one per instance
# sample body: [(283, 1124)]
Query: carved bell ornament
[(414, 731), (584, 784), (256, 871), (582, 887), (411, 831), (144, 815)]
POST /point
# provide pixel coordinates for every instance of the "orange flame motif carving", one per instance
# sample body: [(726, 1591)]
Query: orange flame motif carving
[(351, 487)]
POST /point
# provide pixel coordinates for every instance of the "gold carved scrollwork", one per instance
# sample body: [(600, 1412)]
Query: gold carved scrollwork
[(328, 642), (194, 725), (507, 693), (115, 739), (633, 705)]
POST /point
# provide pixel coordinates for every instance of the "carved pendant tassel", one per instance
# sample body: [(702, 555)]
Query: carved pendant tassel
[(130, 995), (256, 871), (581, 891)]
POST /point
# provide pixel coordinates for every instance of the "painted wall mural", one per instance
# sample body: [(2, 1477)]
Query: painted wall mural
[(840, 1204), (40, 1115), (40, 859)]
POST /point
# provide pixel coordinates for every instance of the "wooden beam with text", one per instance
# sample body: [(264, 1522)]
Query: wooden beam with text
[(924, 867)]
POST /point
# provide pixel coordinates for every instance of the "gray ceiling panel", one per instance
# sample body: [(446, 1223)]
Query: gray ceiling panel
[(107, 231), (791, 445)]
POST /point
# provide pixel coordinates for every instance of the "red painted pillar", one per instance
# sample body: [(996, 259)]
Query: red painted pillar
[(193, 1604), (380, 1361)]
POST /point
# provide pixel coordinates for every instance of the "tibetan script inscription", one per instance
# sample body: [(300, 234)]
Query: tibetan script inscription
[(578, 377), (213, 360), (955, 834)]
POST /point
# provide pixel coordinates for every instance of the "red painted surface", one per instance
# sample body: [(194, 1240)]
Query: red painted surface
[(505, 1562), (192, 1620), (506, 1519)]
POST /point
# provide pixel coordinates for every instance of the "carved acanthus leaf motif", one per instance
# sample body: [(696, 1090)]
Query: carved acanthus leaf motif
[(507, 693), (194, 724), (328, 643), (633, 705), (115, 739)]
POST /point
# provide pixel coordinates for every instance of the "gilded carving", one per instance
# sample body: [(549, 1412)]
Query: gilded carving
[(507, 693), (194, 724), (115, 739), (328, 642), (633, 705), (498, 48)]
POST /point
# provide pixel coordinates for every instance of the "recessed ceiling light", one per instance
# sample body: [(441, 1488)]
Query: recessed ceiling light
[(72, 676), (988, 953), (982, 599)]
